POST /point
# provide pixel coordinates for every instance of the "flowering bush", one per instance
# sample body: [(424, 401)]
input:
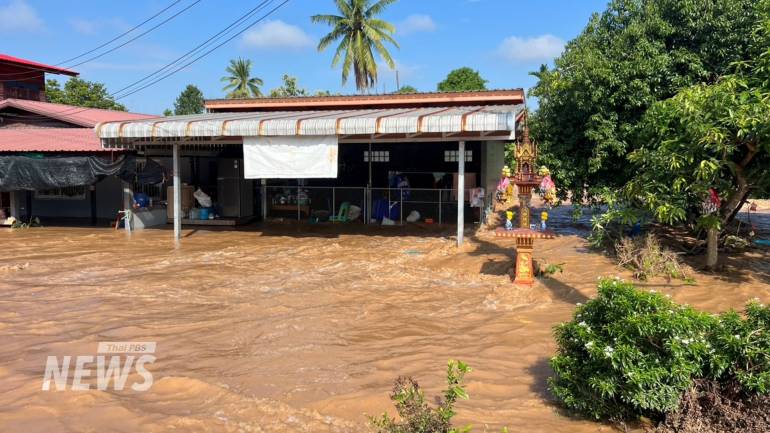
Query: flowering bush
[(630, 353)]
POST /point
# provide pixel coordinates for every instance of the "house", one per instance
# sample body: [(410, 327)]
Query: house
[(35, 132), (394, 157)]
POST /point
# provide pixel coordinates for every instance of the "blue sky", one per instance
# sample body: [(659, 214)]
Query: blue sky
[(503, 39)]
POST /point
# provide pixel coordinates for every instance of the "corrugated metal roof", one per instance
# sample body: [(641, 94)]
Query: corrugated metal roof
[(482, 119), (5, 58), (351, 102), (49, 140), (86, 117)]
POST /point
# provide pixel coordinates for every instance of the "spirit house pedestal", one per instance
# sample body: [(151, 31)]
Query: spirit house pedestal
[(525, 179)]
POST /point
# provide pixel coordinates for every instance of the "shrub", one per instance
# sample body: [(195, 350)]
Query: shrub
[(416, 415), (742, 348), (646, 257), (629, 353)]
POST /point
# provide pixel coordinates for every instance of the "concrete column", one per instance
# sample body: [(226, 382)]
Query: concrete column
[(263, 197), (177, 196), (492, 162), (92, 196), (460, 192), (16, 204), (127, 203)]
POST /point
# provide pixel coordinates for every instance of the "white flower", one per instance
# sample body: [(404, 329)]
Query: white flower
[(738, 336), (608, 351), (589, 345)]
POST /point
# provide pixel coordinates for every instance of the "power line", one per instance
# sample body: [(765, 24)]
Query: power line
[(120, 35), (206, 53), (188, 53), (216, 36), (33, 73), (265, 2)]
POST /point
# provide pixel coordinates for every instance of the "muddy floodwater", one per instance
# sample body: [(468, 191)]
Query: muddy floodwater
[(297, 330)]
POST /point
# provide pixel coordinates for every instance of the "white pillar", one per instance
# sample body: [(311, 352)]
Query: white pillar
[(16, 205), (177, 196), (460, 192), (128, 199)]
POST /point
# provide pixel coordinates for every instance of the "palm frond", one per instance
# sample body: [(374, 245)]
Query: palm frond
[(344, 7), (338, 54), (384, 26), (383, 52), (331, 20), (360, 35), (378, 7), (331, 37)]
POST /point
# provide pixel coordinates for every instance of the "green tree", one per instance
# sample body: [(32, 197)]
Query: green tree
[(167, 112), (709, 136), (636, 53), (240, 83), (82, 93), (462, 80), (288, 89), (406, 89), (190, 101), (360, 33)]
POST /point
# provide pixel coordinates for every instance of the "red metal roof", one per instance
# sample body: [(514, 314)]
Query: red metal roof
[(49, 140), (5, 58), (393, 100), (86, 117)]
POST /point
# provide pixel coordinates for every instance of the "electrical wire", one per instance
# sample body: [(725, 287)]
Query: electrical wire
[(205, 53), (102, 45), (226, 29), (264, 3)]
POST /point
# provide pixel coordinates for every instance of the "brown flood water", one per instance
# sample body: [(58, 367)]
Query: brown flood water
[(289, 331)]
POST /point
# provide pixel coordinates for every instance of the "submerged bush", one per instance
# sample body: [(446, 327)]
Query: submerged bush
[(647, 258), (629, 353), (416, 415)]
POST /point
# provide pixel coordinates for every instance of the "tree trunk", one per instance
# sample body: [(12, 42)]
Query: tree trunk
[(736, 199), (712, 251)]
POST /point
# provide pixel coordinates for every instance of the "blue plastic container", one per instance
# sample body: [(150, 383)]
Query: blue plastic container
[(205, 213)]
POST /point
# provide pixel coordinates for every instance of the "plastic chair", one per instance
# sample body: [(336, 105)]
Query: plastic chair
[(342, 215)]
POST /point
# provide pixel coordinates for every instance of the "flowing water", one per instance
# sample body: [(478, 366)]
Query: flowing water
[(297, 330)]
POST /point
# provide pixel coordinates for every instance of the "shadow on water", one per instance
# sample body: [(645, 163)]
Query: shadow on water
[(563, 292)]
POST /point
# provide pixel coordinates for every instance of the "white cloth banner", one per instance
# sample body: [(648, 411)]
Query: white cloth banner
[(290, 157)]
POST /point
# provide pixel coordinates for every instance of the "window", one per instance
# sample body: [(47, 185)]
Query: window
[(377, 156), (454, 155), (68, 193)]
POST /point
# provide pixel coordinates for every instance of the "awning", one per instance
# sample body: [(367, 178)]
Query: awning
[(469, 122)]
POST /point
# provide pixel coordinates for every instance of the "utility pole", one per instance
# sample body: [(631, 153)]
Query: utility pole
[(398, 83)]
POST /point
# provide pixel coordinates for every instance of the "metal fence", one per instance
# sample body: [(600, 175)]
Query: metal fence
[(397, 204)]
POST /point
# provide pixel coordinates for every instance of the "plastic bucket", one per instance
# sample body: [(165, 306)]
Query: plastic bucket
[(204, 215)]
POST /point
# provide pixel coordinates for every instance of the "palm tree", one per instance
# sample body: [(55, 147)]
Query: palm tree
[(360, 34), (240, 84)]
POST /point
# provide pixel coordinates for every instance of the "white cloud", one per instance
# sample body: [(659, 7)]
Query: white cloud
[(83, 26), (91, 27), (416, 23), (407, 73), (18, 16), (537, 48), (276, 34)]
